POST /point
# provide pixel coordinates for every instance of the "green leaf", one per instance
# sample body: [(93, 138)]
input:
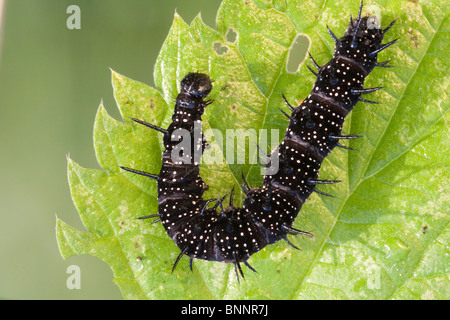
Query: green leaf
[(386, 233)]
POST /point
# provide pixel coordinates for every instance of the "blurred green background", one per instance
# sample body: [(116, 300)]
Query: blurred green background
[(52, 80)]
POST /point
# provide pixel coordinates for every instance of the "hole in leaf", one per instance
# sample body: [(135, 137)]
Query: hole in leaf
[(219, 48), (231, 35), (297, 53)]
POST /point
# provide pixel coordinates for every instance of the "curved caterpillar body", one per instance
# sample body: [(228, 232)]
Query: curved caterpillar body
[(233, 234)]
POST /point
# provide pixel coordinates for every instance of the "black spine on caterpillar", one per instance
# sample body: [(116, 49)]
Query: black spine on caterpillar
[(234, 234)]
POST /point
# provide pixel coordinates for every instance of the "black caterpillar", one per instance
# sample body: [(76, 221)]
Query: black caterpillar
[(234, 234)]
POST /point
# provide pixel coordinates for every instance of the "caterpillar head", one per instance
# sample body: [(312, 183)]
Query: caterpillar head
[(196, 84)]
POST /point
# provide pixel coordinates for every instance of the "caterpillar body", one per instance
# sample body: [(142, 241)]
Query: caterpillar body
[(234, 234)]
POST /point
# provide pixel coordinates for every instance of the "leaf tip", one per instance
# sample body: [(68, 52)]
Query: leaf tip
[(178, 19), (63, 245), (101, 109), (115, 77), (113, 72), (199, 16), (69, 161)]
